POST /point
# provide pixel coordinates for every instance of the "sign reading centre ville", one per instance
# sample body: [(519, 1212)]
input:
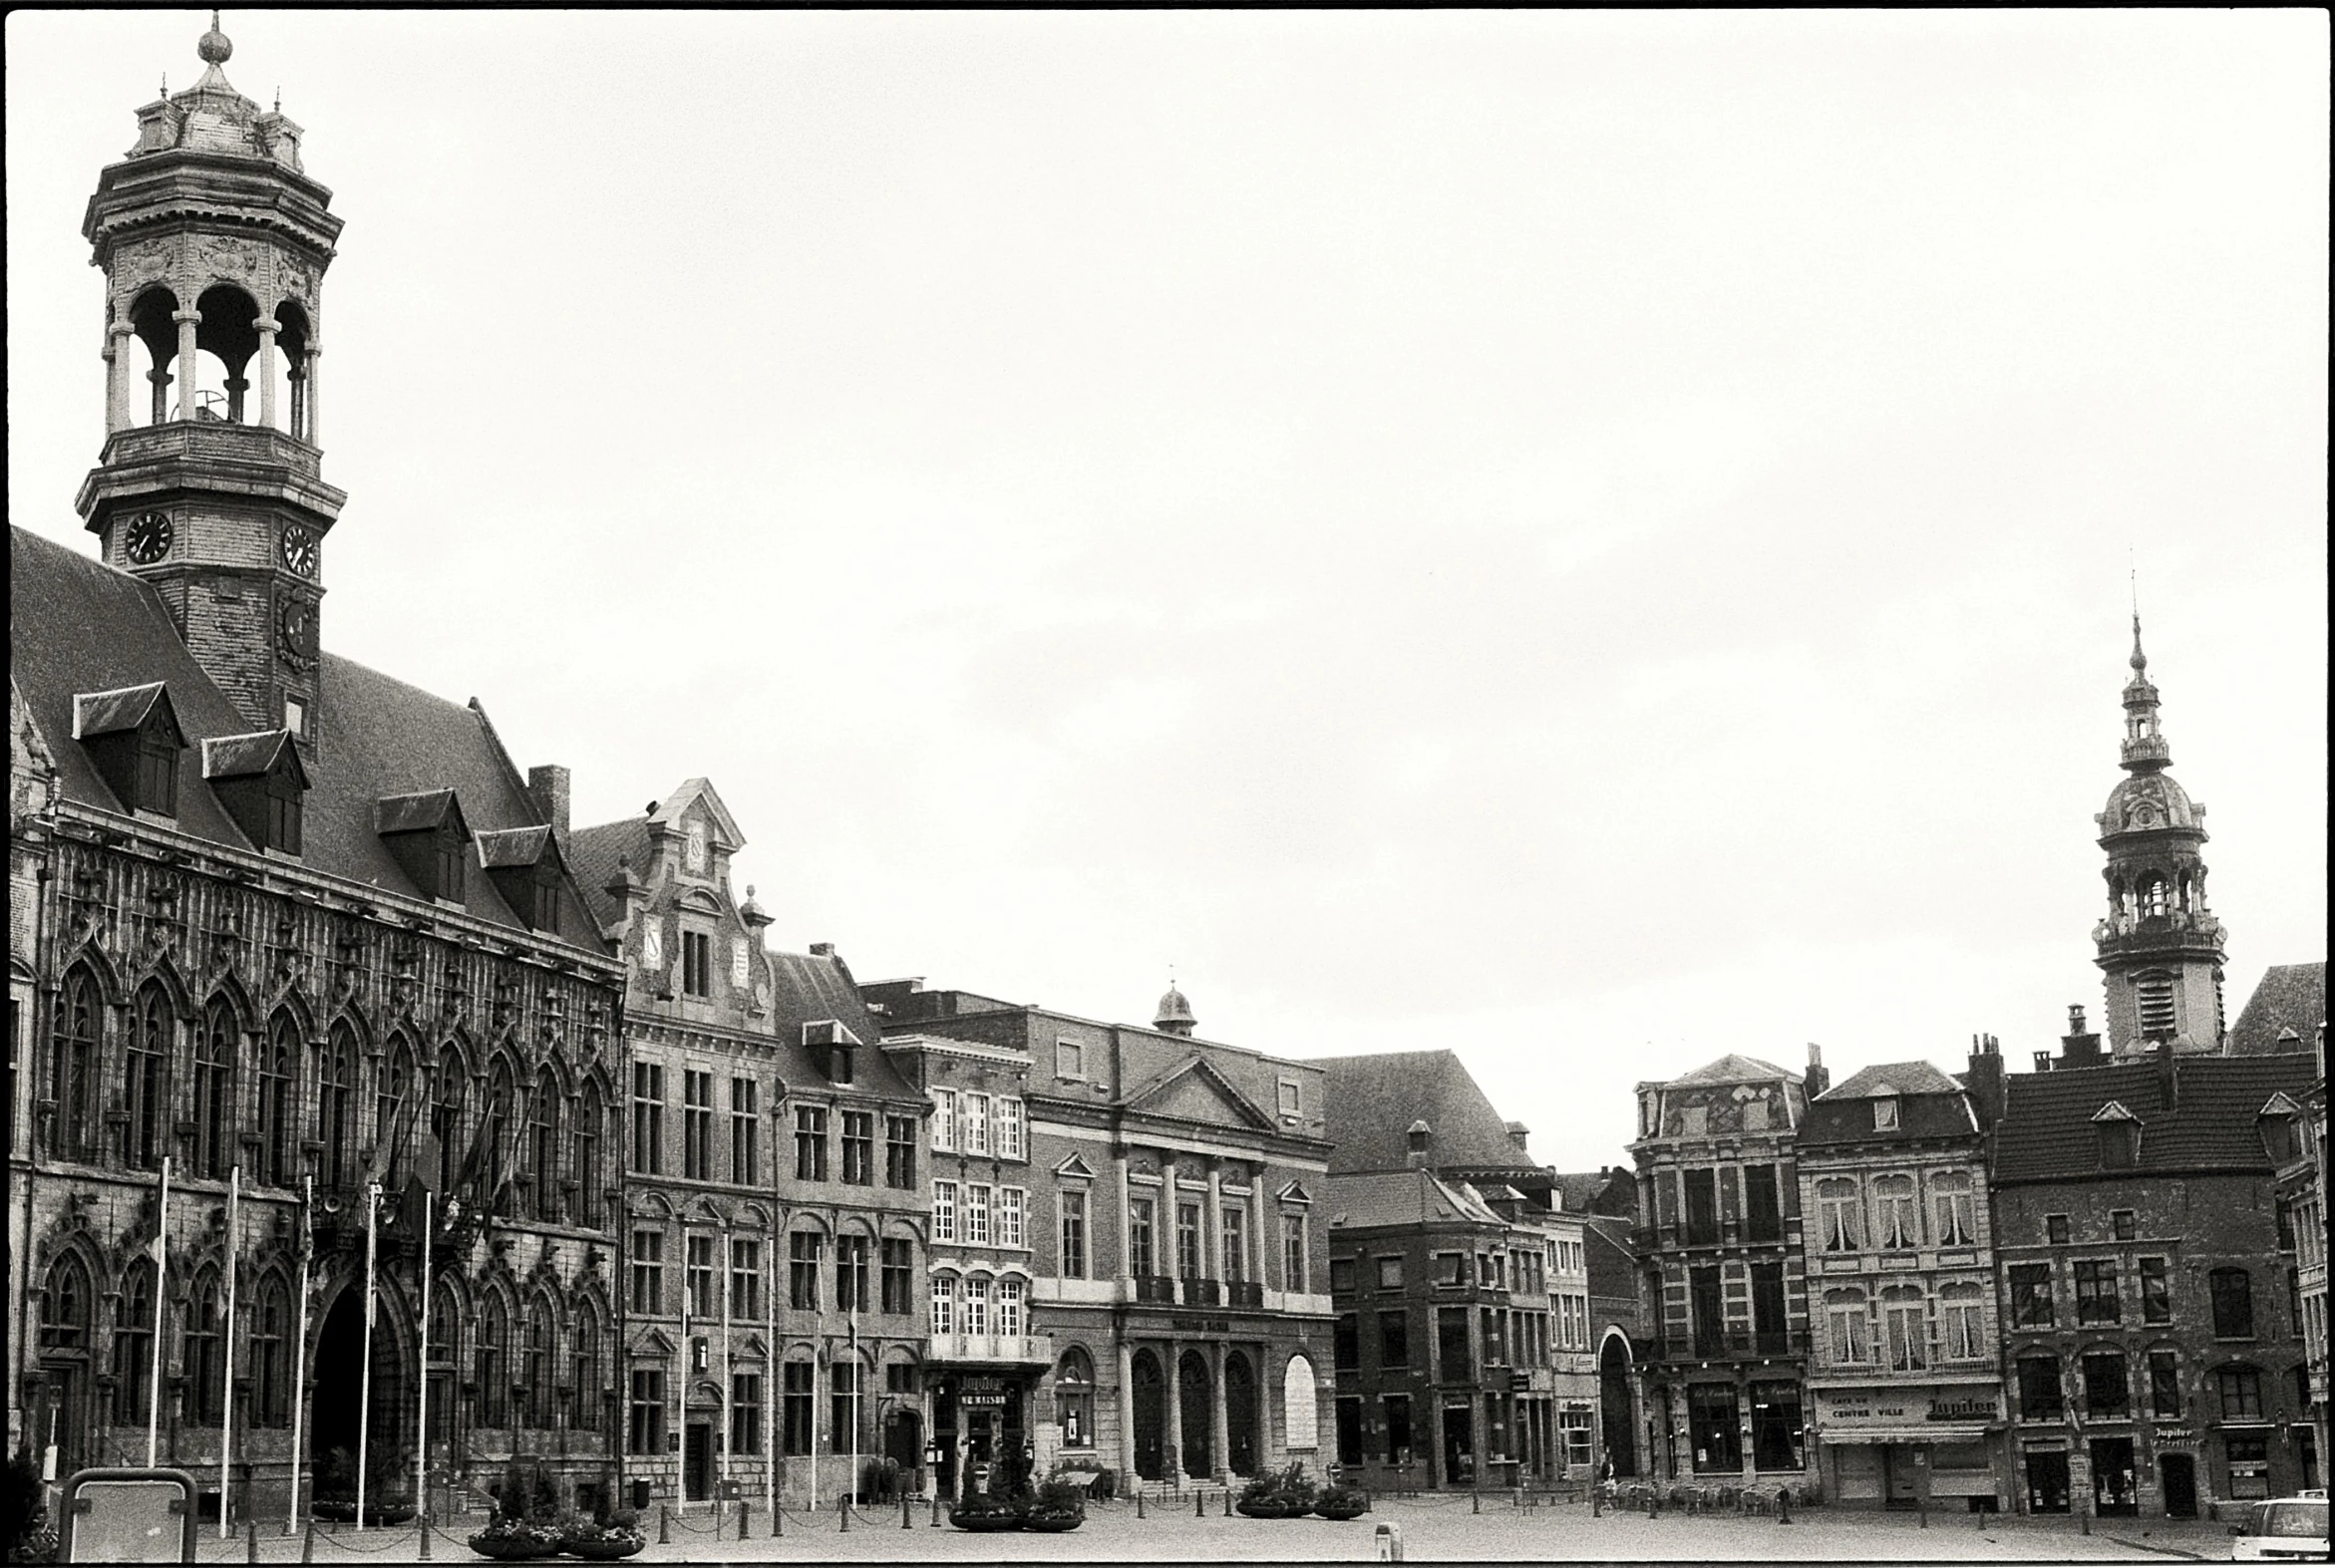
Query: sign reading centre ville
[(1847, 1410)]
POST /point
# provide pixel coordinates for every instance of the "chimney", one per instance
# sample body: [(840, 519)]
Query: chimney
[(2043, 1062), (1416, 1139), (1985, 1079), (2078, 1046), (547, 787), (1517, 1133), (1816, 1080)]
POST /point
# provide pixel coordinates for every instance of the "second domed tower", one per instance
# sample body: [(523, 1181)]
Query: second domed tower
[(2161, 950)]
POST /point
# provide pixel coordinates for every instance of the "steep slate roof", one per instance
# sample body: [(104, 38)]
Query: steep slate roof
[(1372, 1101), (809, 987), (1929, 1104), (2291, 996), (594, 852), (79, 626), (1733, 1069), (1405, 1197), (2046, 1133)]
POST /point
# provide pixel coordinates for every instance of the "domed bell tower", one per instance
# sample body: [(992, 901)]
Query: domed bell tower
[(213, 244), (2159, 949)]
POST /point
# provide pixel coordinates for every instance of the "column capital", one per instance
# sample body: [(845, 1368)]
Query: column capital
[(266, 324), (119, 329), (184, 317)]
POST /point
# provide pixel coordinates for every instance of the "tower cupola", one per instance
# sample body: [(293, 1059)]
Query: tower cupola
[(213, 241), (1174, 1015), (2160, 948)]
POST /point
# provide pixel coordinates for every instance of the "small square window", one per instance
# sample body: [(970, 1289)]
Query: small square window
[(295, 715), (1069, 1059), (1341, 1275), (1884, 1115), (2127, 1223), (1389, 1273), (2055, 1229), (1289, 1096)]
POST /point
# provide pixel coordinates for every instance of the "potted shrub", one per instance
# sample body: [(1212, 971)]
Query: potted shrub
[(1340, 1502), (1277, 1494), (1060, 1505), (986, 1512), (605, 1537), (523, 1525)]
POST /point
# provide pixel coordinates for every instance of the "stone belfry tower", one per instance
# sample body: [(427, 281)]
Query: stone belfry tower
[(2161, 950), (213, 244)]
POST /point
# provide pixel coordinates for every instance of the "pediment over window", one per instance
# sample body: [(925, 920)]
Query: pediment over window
[(427, 836), (525, 866), (1295, 1192), (261, 782), (1074, 1168), (1193, 1091), (652, 1344)]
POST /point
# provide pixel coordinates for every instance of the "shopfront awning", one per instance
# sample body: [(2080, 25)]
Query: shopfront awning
[(1927, 1431)]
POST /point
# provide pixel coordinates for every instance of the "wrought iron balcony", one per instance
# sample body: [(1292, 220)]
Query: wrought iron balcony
[(1155, 1287), (1202, 1293)]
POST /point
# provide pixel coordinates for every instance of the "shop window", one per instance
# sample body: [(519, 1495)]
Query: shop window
[(2249, 1466), (2040, 1396), (1776, 1435), (1712, 1428), (1074, 1399)]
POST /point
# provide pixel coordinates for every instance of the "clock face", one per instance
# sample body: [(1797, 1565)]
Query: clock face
[(296, 629), (149, 538), (299, 550)]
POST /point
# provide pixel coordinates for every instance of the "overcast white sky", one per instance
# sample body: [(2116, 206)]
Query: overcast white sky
[(1596, 540)]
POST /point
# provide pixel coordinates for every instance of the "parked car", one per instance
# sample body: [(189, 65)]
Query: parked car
[(2287, 1529)]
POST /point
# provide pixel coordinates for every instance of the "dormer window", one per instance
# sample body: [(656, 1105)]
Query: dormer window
[(2119, 1133), (1884, 1115), (134, 737), (429, 838), (524, 864), (261, 783), (829, 1039), (2276, 1120)]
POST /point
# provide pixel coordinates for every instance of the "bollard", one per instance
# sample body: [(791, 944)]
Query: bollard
[(1227, 1502), (844, 1512), (308, 1543), (664, 1526), (1199, 1503), (1921, 1507), (744, 1514), (936, 1507), (906, 1523), (1139, 1501), (1476, 1502), (778, 1515), (1653, 1503), (1783, 1505), (1596, 1503), (2085, 1515), (250, 1541)]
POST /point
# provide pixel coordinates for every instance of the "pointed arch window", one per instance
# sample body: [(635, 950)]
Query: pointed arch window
[(64, 1305), (214, 1091), (543, 1148), (336, 1088), (71, 1058), (445, 1116), (498, 1134), (588, 1121), (200, 1355), (584, 1382), (133, 1323), (275, 1101), (147, 1092), (392, 1107), (541, 1344), (493, 1378), (271, 1390)]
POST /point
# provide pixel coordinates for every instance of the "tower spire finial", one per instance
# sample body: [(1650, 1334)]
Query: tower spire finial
[(214, 47)]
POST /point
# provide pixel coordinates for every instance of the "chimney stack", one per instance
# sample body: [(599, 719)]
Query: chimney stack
[(1985, 1079), (1816, 1080), (2078, 1046), (1517, 1133), (547, 787)]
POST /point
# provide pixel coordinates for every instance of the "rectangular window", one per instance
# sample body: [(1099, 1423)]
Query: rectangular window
[(898, 1276), (843, 1423), (1762, 1216), (1709, 1311), (2055, 1229), (745, 1134), (2107, 1394), (2241, 1394), (1769, 1319), (1702, 1207), (1012, 1202), (2040, 1396), (2233, 1304), (1389, 1273), (1011, 1142), (795, 1408), (976, 1214), (2156, 1291), (1289, 1096), (1884, 1115), (702, 1301), (802, 1249), (1394, 1339), (1295, 1273), (1141, 1242), (1957, 1214), (1344, 1344), (2031, 1304), (1188, 1240), (944, 1121), (745, 1278), (973, 1124), (648, 1411), (1452, 1361), (1840, 1215), (1964, 1324), (1072, 1252), (944, 1212), (697, 1126), (900, 1152), (1233, 1222), (1494, 1341), (2124, 1225), (1070, 1060), (1451, 1268), (944, 1305), (2164, 1384), (1776, 1426), (2249, 1466), (648, 1118), (746, 1412), (860, 1147), (2096, 1297), (697, 964), (809, 1144), (1349, 1429), (1906, 1323), (851, 1274), (648, 1271)]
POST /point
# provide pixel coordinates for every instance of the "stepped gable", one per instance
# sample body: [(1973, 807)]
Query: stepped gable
[(76, 626), (2046, 1133), (1372, 1099)]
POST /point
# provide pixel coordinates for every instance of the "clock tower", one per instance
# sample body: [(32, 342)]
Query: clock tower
[(2159, 949), (213, 244)]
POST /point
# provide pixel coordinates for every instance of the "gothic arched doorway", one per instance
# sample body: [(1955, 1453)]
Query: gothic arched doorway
[(1614, 1402), (1239, 1414), (1151, 1417), (1196, 1395), (337, 1393)]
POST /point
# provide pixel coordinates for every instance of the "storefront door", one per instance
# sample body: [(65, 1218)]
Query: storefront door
[(2046, 1481), (2114, 1492), (1904, 1481), (2178, 1472), (1459, 1445)]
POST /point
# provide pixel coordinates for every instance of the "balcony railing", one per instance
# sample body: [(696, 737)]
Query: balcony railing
[(1202, 1293), (994, 1349), (233, 440), (1732, 1342), (1245, 1293), (1155, 1287)]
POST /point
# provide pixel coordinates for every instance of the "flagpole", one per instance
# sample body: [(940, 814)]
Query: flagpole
[(153, 1383), (727, 1375), (227, 1362), (422, 1410), (300, 1346), (852, 1317), (770, 1367), (365, 1386)]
